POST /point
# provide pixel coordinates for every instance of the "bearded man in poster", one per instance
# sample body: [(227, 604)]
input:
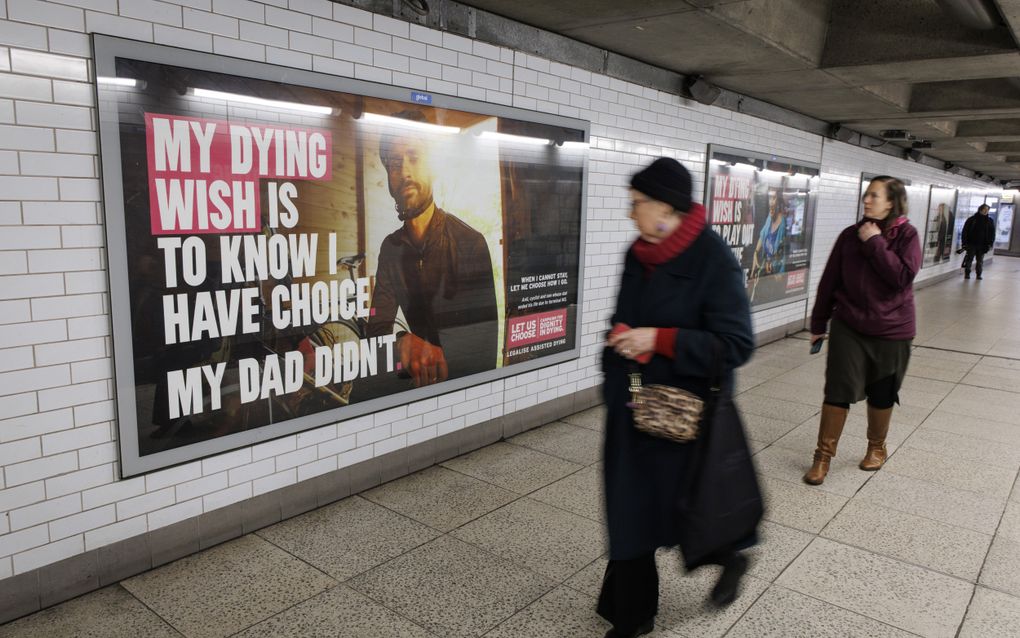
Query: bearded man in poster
[(436, 269)]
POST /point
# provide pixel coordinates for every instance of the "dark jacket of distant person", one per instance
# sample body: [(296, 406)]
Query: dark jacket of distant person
[(978, 233)]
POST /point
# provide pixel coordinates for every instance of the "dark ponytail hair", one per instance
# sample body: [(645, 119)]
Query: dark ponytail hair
[(895, 192)]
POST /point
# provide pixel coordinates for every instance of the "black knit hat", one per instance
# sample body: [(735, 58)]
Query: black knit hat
[(666, 180)]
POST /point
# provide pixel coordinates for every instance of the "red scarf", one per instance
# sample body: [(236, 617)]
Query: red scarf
[(651, 255)]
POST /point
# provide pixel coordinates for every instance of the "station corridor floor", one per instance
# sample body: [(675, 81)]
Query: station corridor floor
[(508, 540)]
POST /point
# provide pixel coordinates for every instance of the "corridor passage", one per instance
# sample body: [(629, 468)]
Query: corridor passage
[(508, 541)]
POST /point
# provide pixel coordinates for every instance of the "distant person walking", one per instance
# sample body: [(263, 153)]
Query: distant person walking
[(977, 238), (867, 292), (682, 317)]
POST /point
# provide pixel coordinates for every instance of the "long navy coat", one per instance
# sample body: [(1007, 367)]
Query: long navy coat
[(702, 293)]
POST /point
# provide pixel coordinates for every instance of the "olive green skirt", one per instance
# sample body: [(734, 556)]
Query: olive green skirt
[(855, 361)]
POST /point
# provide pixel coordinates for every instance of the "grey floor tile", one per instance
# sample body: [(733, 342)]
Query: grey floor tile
[(340, 611), (902, 595), (1009, 526), (966, 448), (106, 613), (998, 362), (562, 613), (923, 393), (227, 588), (580, 493), (986, 375), (440, 498), (983, 403), (946, 469), (1002, 567), (563, 440), (542, 538), (912, 539), (452, 588), (763, 429), (592, 418), (796, 413), (803, 507), (945, 357), (348, 537), (992, 614), (783, 613), (778, 546), (974, 427), (957, 507), (745, 381), (939, 369), (793, 393), (787, 464), (512, 467)]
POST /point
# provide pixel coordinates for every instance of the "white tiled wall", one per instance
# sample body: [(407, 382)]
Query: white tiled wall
[(58, 491)]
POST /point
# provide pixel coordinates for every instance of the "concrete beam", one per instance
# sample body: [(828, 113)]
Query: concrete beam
[(989, 130), (1010, 12), (760, 83), (965, 95), (866, 32), (836, 105), (1003, 147), (691, 42), (565, 15), (793, 26), (972, 67)]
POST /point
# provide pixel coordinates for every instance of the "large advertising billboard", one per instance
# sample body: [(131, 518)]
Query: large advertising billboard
[(290, 249), (764, 208)]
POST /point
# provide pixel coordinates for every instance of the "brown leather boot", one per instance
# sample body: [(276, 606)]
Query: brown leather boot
[(878, 428), (829, 430)]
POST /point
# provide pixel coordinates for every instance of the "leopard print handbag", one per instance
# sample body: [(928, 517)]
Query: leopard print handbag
[(673, 413), (664, 411)]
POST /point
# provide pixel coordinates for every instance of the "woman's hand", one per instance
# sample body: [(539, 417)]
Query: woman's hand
[(868, 230), (633, 343), (815, 338)]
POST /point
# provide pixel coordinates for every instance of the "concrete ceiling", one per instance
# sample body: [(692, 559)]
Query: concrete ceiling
[(869, 65)]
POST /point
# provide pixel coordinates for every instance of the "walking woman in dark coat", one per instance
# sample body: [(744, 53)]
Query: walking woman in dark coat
[(682, 303)]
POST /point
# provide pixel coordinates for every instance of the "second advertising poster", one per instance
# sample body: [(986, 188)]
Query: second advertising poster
[(764, 208)]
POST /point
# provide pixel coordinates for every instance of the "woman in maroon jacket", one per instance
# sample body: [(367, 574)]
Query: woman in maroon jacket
[(867, 292)]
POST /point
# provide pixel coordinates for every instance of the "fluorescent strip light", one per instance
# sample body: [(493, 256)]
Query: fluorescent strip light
[(520, 139), (576, 145), (257, 101), (375, 118), (117, 81)]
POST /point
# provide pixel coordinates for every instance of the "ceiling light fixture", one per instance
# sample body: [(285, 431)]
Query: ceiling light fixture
[(386, 120), (258, 101), (520, 139), (102, 79)]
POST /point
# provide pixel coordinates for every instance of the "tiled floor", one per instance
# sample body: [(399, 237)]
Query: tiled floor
[(509, 540)]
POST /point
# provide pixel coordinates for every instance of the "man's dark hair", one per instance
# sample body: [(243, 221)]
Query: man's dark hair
[(984, 207)]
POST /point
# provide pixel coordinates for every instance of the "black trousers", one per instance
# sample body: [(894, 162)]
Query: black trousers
[(973, 254), (630, 593), (630, 590)]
